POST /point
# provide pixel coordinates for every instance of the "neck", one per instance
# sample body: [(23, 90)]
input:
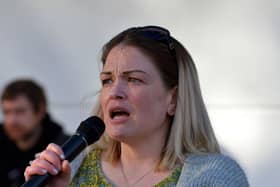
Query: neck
[(139, 158), (139, 153), (145, 152)]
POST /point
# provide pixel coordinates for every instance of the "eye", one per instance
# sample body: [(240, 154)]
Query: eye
[(106, 81), (134, 80)]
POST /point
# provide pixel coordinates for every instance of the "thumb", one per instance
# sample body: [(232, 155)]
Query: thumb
[(63, 177), (65, 170)]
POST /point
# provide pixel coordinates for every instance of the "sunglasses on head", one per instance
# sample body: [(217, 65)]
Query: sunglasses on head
[(157, 33)]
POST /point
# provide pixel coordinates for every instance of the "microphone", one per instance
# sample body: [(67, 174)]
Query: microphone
[(89, 131)]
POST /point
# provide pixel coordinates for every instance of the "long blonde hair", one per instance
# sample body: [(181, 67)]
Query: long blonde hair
[(190, 128)]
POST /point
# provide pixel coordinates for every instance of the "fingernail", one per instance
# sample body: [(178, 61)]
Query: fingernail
[(37, 155), (62, 156), (44, 171), (55, 171)]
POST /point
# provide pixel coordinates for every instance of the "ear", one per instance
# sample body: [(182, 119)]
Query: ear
[(172, 101)]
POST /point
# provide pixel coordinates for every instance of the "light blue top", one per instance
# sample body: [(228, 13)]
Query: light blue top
[(211, 170)]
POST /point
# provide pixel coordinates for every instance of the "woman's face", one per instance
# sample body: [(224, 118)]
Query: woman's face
[(134, 101)]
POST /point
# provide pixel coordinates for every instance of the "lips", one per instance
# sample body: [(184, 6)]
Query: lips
[(118, 111), (119, 114)]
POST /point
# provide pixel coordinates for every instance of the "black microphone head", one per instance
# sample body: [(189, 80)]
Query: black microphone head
[(91, 129)]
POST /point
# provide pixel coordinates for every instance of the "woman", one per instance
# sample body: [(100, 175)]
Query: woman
[(157, 128)]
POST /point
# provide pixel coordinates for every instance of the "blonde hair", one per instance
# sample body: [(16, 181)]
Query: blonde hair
[(190, 130)]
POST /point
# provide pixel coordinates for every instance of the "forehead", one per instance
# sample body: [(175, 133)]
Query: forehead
[(18, 101), (123, 57)]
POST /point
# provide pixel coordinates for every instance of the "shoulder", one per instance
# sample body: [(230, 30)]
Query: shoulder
[(3, 136), (1, 130), (212, 170), (53, 131), (86, 169)]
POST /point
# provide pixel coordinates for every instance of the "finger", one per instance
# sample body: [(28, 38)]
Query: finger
[(52, 158), (55, 148), (45, 165), (29, 171)]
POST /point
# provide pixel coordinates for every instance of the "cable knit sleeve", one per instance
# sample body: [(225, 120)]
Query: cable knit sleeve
[(212, 170)]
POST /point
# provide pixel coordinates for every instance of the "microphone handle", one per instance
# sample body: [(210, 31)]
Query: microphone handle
[(71, 148)]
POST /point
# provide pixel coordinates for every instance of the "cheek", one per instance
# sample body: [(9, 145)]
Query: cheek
[(151, 104), (30, 120), (103, 99), (103, 102)]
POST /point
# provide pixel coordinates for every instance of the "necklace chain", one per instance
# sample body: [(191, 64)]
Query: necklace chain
[(136, 181)]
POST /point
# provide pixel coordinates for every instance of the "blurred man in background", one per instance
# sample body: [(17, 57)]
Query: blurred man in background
[(26, 130)]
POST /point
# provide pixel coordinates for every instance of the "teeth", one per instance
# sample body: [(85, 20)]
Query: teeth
[(118, 112)]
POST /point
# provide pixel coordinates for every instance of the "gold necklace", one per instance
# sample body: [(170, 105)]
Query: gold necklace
[(136, 181)]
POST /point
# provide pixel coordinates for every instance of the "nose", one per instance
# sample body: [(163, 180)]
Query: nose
[(118, 90)]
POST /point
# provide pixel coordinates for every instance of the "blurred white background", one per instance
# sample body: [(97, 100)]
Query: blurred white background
[(235, 45)]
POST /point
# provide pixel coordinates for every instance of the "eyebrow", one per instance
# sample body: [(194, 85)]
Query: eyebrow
[(124, 73)]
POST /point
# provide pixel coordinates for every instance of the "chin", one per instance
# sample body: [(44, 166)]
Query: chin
[(14, 134), (117, 135)]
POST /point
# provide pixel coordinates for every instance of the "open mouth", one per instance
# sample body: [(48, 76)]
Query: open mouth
[(118, 113)]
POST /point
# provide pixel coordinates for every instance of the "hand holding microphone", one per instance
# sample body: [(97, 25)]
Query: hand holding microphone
[(54, 161), (50, 162)]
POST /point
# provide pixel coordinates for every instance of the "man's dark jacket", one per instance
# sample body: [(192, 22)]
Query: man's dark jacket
[(13, 161)]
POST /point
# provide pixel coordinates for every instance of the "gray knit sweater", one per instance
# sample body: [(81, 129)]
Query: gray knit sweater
[(211, 170)]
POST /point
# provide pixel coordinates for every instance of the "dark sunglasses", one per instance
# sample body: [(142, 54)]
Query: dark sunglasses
[(157, 33)]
